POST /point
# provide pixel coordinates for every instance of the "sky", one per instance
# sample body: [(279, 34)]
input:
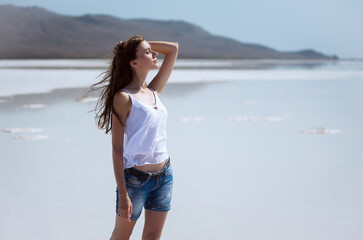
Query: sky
[(327, 26)]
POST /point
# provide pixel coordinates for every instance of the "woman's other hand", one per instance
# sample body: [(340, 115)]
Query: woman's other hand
[(124, 207)]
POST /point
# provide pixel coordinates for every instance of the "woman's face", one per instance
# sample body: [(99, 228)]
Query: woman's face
[(145, 57)]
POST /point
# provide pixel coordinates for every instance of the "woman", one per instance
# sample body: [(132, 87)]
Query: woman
[(134, 113)]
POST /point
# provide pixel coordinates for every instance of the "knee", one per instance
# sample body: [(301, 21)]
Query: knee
[(120, 236), (151, 236)]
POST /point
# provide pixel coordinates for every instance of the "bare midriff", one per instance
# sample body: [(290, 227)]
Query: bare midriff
[(151, 167)]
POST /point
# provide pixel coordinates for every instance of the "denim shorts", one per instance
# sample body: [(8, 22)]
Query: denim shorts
[(153, 195)]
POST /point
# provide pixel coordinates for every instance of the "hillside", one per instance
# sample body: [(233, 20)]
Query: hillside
[(33, 32)]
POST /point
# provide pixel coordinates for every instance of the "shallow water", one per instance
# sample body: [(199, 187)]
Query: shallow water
[(264, 158)]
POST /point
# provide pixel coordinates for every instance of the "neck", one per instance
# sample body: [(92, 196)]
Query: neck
[(139, 80)]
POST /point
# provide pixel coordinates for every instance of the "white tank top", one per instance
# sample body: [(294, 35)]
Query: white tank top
[(145, 133)]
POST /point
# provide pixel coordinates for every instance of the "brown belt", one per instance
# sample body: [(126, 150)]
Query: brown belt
[(144, 176)]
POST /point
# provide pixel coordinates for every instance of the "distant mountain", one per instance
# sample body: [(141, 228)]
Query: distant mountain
[(33, 32)]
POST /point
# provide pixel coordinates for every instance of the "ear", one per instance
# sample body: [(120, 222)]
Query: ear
[(133, 63)]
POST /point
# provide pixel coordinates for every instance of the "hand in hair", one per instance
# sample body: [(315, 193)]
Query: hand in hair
[(116, 48)]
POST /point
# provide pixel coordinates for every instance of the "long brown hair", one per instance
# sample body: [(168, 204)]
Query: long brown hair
[(117, 76)]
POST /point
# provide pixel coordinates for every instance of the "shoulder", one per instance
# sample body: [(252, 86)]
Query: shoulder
[(122, 102), (121, 97)]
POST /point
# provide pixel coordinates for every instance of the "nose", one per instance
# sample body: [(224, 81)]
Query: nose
[(155, 53)]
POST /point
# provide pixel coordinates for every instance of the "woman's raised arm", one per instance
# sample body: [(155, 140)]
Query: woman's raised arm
[(170, 50)]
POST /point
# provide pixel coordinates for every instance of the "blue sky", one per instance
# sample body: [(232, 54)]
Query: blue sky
[(328, 26)]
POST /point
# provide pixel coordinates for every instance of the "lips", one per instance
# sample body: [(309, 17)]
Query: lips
[(156, 61)]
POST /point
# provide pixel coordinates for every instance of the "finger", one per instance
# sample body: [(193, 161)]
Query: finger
[(118, 212), (129, 213), (121, 213), (125, 214)]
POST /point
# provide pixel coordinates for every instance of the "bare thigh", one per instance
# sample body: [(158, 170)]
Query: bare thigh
[(154, 223), (123, 229)]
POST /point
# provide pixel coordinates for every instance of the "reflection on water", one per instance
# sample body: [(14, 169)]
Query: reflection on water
[(37, 76), (259, 64)]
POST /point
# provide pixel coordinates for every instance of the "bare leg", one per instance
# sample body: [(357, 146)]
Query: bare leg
[(154, 223), (123, 229)]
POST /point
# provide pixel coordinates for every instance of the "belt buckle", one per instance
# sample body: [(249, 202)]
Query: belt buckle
[(149, 177), (156, 175)]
